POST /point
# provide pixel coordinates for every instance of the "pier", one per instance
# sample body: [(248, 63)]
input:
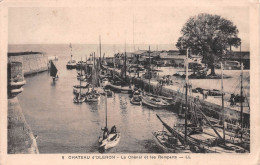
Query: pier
[(211, 105)]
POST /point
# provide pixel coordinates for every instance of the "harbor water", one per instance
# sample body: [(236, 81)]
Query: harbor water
[(65, 127)]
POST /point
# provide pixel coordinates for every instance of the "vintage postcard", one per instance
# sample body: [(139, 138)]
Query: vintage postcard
[(130, 82)]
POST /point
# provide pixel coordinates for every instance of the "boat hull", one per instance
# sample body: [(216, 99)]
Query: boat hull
[(110, 142), (121, 89), (135, 102), (80, 100), (148, 103), (157, 137)]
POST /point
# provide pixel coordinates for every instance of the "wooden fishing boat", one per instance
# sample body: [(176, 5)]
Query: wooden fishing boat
[(135, 100), (79, 99), (119, 88), (168, 99), (92, 97), (202, 142), (154, 102), (80, 65), (108, 92), (111, 141), (53, 71), (168, 143)]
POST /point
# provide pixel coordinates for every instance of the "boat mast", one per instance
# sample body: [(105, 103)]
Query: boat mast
[(149, 72), (114, 67), (222, 94), (125, 63), (100, 48), (241, 101), (80, 78), (186, 95), (70, 52), (106, 106), (94, 66), (86, 68)]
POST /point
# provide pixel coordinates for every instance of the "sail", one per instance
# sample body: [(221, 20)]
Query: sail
[(53, 70)]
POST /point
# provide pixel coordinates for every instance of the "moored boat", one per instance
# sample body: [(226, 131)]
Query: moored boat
[(154, 102), (110, 141), (119, 88), (168, 143), (92, 97), (135, 100), (79, 99), (108, 92)]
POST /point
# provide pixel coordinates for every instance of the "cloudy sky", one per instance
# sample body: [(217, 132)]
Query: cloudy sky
[(116, 24)]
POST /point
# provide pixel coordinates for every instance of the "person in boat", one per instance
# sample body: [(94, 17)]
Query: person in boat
[(77, 96), (232, 99), (206, 95), (105, 132), (113, 129)]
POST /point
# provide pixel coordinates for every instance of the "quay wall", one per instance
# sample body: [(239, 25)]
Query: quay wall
[(21, 139), (32, 63), (210, 109), (20, 136)]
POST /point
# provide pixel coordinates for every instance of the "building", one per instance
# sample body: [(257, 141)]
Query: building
[(243, 57), (171, 58)]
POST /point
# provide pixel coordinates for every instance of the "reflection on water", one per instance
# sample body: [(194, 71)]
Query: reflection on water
[(65, 127)]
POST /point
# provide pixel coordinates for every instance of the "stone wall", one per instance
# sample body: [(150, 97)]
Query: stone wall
[(20, 137), (32, 63)]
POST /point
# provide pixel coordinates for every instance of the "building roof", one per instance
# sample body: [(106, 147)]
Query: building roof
[(140, 51), (236, 55)]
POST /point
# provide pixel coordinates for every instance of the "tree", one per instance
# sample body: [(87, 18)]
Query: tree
[(209, 36)]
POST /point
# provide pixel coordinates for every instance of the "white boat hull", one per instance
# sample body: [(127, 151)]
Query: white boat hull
[(80, 100), (110, 142)]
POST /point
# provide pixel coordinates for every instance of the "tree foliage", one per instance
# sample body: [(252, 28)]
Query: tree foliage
[(209, 36)]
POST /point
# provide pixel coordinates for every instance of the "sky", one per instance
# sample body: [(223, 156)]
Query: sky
[(115, 24)]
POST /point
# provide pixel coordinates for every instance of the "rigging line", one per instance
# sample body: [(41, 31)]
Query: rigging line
[(247, 102), (247, 84), (235, 88), (237, 82)]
